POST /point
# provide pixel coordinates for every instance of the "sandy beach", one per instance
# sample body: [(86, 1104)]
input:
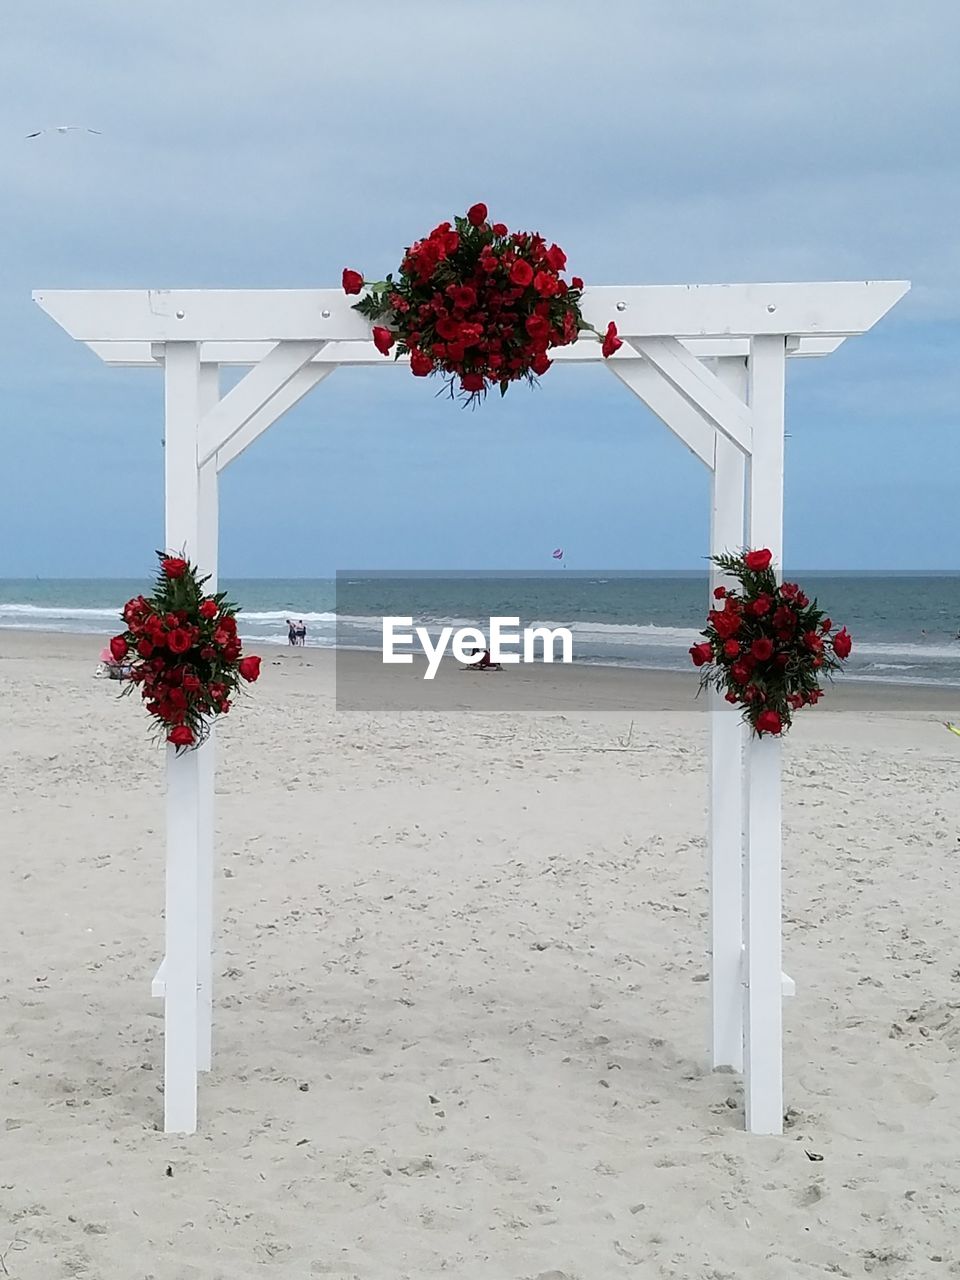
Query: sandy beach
[(462, 1008)]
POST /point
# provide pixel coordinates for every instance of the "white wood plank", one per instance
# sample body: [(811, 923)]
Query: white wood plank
[(684, 419), (303, 382), (701, 386), (586, 351), (827, 309), (208, 546), (727, 744), (251, 395), (763, 1047), (182, 406)]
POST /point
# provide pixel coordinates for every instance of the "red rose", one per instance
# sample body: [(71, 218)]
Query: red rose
[(826, 624), (208, 653), (784, 619), (740, 672), (181, 736), (730, 696), (537, 327), (144, 648), (477, 215), (842, 643), (726, 624), (556, 257), (546, 285), (719, 593), (768, 722), (701, 654), (173, 566), (382, 339), (178, 641), (812, 641), (731, 648), (464, 296), (576, 282), (762, 649), (472, 382), (208, 609), (540, 363), (352, 281), (191, 684), (119, 647), (789, 590), (611, 342), (421, 365), (756, 561), (760, 606), (500, 228), (521, 273), (250, 667), (135, 610)]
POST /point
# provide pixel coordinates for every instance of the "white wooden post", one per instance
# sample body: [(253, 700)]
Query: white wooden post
[(727, 738), (763, 1068), (182, 406), (207, 560)]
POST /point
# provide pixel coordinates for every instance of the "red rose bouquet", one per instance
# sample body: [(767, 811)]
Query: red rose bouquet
[(767, 645), (185, 652), (477, 303)]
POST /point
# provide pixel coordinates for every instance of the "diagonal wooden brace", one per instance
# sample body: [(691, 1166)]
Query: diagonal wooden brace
[(701, 387), (302, 382), (251, 394), (663, 399)]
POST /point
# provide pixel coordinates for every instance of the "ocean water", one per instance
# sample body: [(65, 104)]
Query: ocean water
[(904, 625)]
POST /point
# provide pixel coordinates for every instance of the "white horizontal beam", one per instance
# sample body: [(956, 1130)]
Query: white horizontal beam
[(831, 309), (836, 309), (586, 351)]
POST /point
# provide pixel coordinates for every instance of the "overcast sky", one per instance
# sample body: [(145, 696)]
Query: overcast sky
[(259, 145)]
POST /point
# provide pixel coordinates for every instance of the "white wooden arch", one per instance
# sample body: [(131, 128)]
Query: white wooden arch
[(708, 360)]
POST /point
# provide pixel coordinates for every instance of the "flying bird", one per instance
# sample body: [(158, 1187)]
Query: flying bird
[(64, 128)]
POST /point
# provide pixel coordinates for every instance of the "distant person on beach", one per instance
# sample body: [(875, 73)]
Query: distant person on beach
[(291, 632), (301, 632), (484, 664)]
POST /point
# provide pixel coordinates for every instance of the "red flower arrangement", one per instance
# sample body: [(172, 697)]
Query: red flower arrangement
[(184, 652), (477, 303), (767, 645)]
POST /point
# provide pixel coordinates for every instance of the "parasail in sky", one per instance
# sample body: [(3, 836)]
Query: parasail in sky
[(558, 553)]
